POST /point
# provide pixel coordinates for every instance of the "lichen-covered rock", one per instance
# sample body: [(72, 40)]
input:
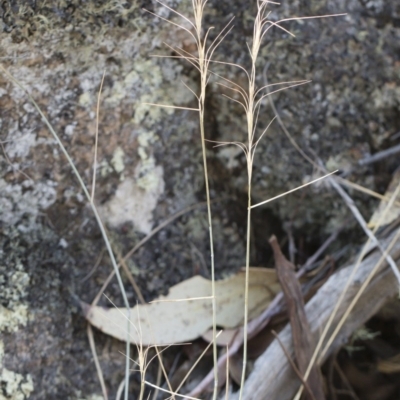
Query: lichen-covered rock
[(149, 162)]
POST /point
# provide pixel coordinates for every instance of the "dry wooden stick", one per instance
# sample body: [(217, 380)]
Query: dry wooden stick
[(302, 338)]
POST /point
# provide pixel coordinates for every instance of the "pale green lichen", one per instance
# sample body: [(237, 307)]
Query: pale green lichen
[(118, 93), (85, 99), (11, 319), (14, 386), (13, 288), (144, 75), (149, 75), (149, 177), (105, 168), (339, 161), (146, 173), (14, 283), (361, 334), (146, 138), (117, 160)]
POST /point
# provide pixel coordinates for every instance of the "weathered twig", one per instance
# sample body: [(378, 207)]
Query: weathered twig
[(380, 155)]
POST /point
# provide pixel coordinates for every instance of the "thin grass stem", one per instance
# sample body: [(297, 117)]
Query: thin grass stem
[(94, 209), (201, 63), (174, 107), (293, 190), (96, 137), (96, 361)]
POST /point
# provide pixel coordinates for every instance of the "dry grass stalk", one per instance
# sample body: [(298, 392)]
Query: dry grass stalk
[(251, 101), (201, 62), (94, 210)]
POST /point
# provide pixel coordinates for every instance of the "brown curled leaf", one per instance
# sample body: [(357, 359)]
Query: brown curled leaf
[(302, 339)]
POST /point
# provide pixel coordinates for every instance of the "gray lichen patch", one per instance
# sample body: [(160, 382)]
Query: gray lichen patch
[(20, 142), (21, 203)]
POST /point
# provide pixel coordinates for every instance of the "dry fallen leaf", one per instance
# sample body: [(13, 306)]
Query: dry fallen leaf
[(225, 338), (394, 211), (168, 321)]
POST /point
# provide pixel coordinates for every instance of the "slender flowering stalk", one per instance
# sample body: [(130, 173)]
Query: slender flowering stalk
[(251, 101), (201, 62)]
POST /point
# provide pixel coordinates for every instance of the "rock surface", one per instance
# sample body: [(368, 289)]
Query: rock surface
[(49, 238)]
